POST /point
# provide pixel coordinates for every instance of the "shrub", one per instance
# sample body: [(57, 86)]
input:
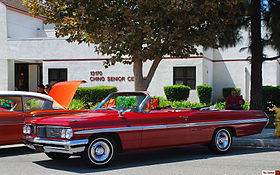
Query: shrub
[(94, 94), (271, 96), (204, 93), (177, 92), (222, 105), (77, 104), (163, 102), (227, 91)]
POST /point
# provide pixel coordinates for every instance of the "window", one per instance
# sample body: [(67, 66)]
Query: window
[(57, 75), (32, 104), (185, 76), (36, 104), (10, 103)]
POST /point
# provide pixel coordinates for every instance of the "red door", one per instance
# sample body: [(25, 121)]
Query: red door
[(160, 129), (11, 124)]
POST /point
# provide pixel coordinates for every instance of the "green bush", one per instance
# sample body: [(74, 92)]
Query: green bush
[(222, 105), (77, 104), (177, 92), (163, 102), (271, 96), (204, 93), (227, 91), (94, 94)]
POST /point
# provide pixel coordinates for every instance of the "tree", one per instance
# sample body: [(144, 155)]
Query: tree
[(142, 29), (267, 11)]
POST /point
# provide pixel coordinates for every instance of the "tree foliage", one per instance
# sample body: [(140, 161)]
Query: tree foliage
[(272, 22), (143, 30)]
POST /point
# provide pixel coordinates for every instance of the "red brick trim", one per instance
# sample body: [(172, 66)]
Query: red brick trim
[(167, 58)]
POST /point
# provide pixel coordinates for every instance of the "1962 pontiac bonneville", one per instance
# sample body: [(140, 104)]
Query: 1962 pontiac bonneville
[(18, 106), (124, 122)]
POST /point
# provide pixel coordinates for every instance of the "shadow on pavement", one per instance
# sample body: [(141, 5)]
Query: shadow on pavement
[(148, 158), (15, 150)]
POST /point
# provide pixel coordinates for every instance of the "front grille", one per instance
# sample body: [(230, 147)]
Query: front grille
[(49, 131)]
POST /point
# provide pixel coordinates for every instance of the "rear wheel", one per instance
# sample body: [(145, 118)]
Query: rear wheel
[(100, 151), (58, 156), (221, 141)]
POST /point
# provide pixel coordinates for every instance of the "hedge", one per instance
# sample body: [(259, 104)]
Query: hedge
[(227, 91), (271, 96), (94, 94), (177, 92), (204, 93)]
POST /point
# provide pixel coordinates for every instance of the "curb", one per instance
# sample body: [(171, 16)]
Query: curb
[(257, 142), (265, 139)]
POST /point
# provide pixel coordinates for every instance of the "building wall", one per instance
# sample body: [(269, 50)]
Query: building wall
[(23, 26), (30, 41), (233, 69), (4, 50), (81, 70), (38, 49), (270, 73)]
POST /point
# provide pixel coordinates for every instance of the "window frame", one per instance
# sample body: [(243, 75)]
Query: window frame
[(185, 78), (59, 79)]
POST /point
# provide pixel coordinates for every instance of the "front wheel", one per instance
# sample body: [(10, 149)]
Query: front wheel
[(58, 156), (100, 151), (221, 141)]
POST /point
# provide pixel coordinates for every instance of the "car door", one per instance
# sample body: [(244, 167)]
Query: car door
[(160, 129), (11, 120)]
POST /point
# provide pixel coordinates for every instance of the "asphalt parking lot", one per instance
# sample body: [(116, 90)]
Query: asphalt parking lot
[(188, 160)]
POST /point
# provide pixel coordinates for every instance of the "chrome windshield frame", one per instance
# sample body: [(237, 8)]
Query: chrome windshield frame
[(141, 106)]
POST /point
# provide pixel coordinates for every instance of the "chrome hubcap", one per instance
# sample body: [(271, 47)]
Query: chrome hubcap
[(100, 151), (222, 140)]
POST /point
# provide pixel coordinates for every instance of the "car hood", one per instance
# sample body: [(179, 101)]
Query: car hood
[(63, 92), (70, 119)]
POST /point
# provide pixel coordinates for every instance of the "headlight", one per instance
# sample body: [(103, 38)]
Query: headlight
[(66, 133), (27, 129)]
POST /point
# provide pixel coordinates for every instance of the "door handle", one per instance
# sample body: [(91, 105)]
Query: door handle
[(185, 117)]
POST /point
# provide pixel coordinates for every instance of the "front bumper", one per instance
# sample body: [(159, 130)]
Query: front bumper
[(51, 145)]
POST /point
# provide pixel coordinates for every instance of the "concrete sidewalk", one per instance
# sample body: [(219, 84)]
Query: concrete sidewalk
[(265, 139)]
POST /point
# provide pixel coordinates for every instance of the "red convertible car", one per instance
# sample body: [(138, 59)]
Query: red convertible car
[(125, 121), (18, 106)]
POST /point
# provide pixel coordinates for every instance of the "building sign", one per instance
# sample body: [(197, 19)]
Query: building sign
[(98, 76)]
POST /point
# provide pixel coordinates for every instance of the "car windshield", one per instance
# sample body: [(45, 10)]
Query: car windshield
[(128, 102)]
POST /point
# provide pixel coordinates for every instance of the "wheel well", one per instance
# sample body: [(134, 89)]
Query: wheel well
[(113, 135), (230, 129)]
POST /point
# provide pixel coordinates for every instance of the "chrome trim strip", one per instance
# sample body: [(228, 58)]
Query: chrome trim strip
[(136, 128), (267, 119), (11, 123), (55, 142), (60, 146), (48, 149), (58, 113), (228, 122)]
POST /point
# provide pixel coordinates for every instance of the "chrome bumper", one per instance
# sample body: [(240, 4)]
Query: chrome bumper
[(51, 145)]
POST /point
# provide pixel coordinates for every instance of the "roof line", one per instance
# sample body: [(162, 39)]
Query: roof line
[(21, 11)]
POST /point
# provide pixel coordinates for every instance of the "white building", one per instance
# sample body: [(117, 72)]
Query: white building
[(30, 54)]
